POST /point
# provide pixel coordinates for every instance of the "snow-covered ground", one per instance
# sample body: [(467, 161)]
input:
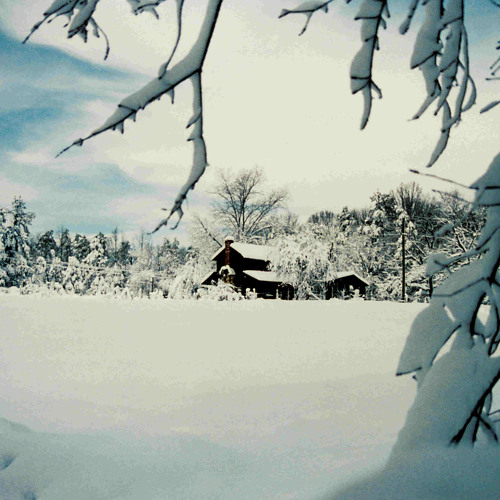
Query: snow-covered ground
[(191, 399)]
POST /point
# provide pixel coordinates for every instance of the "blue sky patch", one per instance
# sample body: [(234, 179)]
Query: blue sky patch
[(39, 95)]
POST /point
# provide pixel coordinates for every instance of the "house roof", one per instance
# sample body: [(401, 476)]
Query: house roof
[(345, 274), (212, 276), (268, 276), (248, 251)]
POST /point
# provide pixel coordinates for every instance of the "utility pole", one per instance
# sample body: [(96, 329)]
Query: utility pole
[(403, 263)]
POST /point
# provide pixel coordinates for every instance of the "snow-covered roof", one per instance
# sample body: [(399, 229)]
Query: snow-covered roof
[(248, 251), (344, 274), (209, 277), (269, 276)]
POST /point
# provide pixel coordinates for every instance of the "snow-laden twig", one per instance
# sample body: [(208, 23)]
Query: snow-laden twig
[(199, 151), (440, 52), (189, 68), (140, 6), (405, 26), (489, 106), (451, 181), (307, 8), (163, 68), (454, 309), (371, 14), (80, 15), (425, 53)]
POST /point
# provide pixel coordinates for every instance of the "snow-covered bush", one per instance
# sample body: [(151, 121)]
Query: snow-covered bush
[(187, 282), (220, 291), (74, 276)]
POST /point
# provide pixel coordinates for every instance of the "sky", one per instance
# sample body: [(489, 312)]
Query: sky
[(271, 99)]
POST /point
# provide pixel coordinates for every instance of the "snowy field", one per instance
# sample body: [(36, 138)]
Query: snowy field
[(197, 400)]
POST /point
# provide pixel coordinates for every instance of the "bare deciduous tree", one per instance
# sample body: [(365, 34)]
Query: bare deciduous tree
[(242, 205)]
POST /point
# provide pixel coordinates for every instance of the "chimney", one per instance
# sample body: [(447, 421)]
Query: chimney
[(227, 242)]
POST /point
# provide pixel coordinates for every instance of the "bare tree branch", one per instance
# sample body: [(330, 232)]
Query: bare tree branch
[(242, 205), (308, 8)]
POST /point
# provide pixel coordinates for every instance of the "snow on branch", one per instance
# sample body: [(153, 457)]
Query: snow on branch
[(199, 151), (445, 406), (454, 311), (308, 8), (405, 26), (371, 14), (441, 52), (189, 68), (140, 6), (489, 106), (80, 16)]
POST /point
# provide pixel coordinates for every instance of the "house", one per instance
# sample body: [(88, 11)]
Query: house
[(246, 267)]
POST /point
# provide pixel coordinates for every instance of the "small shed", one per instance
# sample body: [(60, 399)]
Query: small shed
[(345, 284)]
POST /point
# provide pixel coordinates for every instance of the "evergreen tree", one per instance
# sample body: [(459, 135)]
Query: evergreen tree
[(46, 246), (124, 256), (16, 236), (15, 243), (65, 246), (81, 247), (98, 256)]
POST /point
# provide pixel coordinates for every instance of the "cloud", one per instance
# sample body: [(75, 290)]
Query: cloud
[(9, 189), (82, 200)]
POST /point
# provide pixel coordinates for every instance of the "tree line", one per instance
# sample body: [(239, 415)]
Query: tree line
[(370, 241), (404, 224), (99, 264)]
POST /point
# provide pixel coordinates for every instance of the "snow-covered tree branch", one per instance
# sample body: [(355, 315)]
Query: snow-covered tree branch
[(455, 391), (189, 68), (440, 52)]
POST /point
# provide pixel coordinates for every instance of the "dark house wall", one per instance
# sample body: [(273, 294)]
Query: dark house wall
[(342, 287), (238, 263), (262, 288)]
